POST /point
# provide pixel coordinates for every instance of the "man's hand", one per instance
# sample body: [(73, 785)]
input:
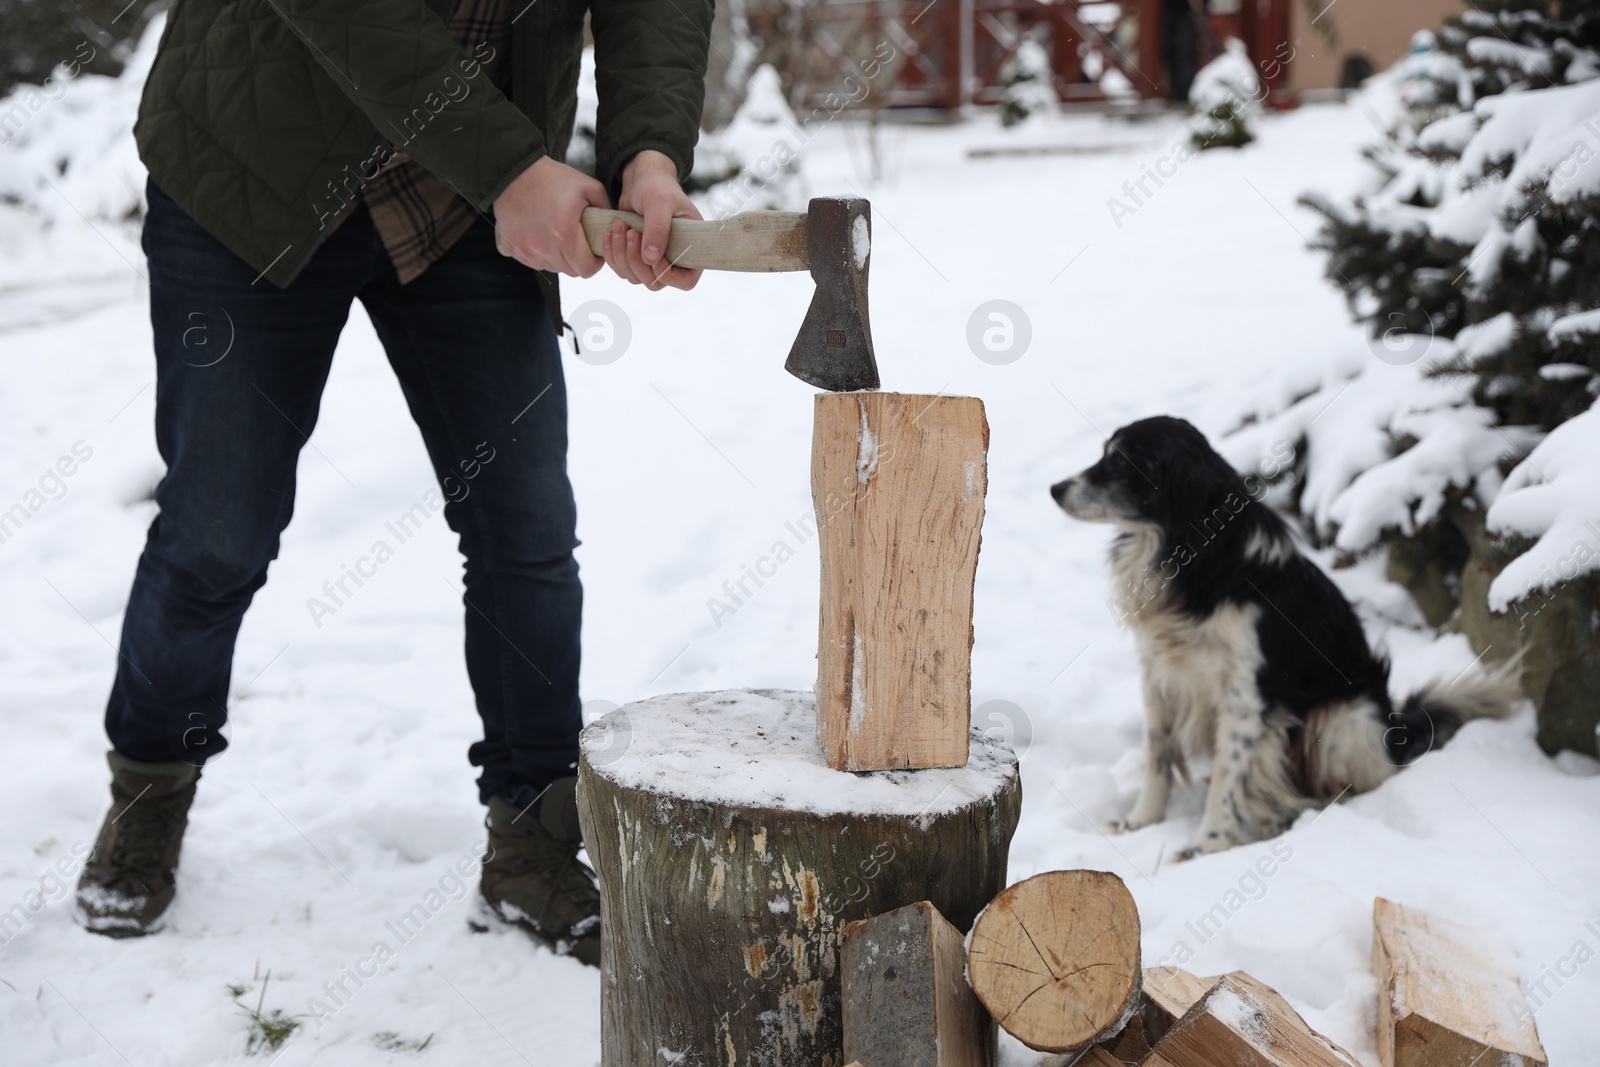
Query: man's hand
[(650, 187), (537, 218)]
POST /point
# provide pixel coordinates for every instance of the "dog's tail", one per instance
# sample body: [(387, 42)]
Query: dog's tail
[(1430, 716), (1358, 744)]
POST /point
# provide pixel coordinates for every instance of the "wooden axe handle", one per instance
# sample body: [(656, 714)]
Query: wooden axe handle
[(749, 241)]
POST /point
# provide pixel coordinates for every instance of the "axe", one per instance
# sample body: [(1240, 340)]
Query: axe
[(832, 239)]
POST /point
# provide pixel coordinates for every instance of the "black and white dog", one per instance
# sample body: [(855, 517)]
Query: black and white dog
[(1250, 654)]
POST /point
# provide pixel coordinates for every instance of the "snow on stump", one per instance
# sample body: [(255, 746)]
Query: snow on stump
[(1240, 1020), (898, 482), (731, 857), (1055, 959), (1443, 1000), (906, 998)]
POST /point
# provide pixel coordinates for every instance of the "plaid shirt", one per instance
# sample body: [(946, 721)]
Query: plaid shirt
[(416, 214)]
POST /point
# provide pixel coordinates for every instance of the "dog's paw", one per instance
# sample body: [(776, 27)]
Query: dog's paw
[(1207, 842), (1197, 849), (1136, 820)]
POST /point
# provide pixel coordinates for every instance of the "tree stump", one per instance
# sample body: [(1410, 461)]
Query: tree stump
[(898, 482), (1055, 959), (730, 858)]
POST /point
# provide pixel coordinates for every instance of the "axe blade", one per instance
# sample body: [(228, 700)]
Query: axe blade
[(833, 350)]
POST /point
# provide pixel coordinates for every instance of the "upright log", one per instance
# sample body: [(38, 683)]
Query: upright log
[(1055, 959), (906, 998), (898, 482), (731, 857), (1442, 1000)]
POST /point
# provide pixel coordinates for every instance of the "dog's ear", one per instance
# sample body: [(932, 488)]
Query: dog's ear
[(1193, 477)]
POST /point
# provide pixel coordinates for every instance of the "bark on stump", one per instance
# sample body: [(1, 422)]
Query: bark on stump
[(730, 858)]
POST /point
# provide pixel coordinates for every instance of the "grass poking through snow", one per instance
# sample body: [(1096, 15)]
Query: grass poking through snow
[(269, 1030), (389, 1041)]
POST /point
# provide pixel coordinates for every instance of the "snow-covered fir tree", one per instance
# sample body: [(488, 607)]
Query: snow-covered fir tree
[(1226, 97), (1482, 221), (753, 163), (1474, 257), (1027, 79)]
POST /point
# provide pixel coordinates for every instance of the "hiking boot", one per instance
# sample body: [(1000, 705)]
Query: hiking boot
[(128, 880), (532, 876)]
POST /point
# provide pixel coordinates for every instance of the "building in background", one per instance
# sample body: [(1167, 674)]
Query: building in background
[(1356, 33)]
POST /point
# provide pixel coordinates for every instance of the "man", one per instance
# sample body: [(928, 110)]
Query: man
[(1182, 23), (307, 153)]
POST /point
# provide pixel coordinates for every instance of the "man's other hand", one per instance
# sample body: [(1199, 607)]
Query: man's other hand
[(537, 218), (650, 187)]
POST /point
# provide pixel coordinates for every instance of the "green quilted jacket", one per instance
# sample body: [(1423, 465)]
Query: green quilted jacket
[(260, 116)]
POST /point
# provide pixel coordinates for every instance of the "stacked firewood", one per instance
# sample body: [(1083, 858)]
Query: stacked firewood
[(1054, 960)]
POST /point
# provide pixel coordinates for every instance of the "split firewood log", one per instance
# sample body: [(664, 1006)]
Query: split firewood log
[(1242, 1021), (1444, 997), (906, 1002)]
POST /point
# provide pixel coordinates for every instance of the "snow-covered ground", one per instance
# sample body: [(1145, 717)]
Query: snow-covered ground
[(346, 797)]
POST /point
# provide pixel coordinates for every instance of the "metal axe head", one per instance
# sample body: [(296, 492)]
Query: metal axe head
[(834, 348)]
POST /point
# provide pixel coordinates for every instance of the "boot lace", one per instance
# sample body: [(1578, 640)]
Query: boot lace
[(556, 862), (138, 848)]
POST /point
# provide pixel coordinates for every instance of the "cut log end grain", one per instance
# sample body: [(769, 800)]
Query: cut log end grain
[(1167, 993), (1055, 959)]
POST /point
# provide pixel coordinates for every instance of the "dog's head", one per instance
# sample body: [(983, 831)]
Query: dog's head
[(1154, 472)]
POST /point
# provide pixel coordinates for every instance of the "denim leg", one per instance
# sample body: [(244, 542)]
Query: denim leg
[(472, 344), (240, 367)]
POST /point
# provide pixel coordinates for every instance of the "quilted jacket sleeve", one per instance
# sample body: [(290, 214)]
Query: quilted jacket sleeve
[(650, 73), (398, 62)]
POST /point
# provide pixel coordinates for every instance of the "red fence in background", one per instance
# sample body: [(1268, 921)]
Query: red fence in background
[(908, 55), (944, 54), (1085, 42)]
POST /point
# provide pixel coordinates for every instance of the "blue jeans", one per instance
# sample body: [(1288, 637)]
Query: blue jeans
[(476, 355)]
